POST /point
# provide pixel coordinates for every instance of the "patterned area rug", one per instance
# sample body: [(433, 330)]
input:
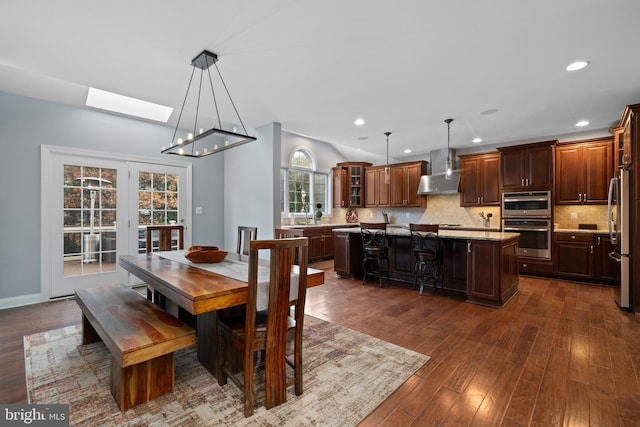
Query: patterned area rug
[(346, 375)]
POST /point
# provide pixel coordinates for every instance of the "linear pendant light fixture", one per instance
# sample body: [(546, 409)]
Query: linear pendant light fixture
[(448, 164), (387, 170), (206, 142)]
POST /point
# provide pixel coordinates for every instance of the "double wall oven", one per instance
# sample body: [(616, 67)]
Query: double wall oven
[(529, 213)]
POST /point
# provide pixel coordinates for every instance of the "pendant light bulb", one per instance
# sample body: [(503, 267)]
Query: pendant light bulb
[(387, 170), (448, 164)]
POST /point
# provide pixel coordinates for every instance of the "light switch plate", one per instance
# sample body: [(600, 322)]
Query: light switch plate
[(199, 210)]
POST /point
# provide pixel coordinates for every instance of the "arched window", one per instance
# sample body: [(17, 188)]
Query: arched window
[(303, 188)]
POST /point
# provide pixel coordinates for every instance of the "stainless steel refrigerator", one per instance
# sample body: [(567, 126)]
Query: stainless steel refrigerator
[(618, 217)]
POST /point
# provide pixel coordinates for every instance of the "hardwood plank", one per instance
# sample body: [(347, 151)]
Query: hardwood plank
[(539, 335)]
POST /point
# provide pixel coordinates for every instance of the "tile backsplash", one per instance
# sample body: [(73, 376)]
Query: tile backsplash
[(572, 216), (445, 209), (441, 209)]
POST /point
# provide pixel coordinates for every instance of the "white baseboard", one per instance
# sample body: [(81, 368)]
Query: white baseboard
[(19, 301)]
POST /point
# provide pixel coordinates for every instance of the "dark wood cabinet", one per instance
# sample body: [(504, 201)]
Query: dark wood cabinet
[(377, 190), (583, 172), (340, 190), (527, 167), (492, 271), (405, 179), (347, 261), (573, 255), (401, 259), (348, 184), (454, 264), (535, 266), (480, 180), (483, 277)]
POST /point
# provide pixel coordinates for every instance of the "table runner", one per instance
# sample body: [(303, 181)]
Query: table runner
[(237, 270)]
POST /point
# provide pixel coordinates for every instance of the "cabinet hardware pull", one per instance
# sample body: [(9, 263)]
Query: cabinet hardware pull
[(585, 197), (573, 237), (522, 182), (527, 182), (591, 248), (469, 247), (598, 240)]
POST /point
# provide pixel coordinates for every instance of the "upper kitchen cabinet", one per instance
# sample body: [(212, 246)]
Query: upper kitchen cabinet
[(623, 135), (480, 179), (376, 189), (583, 172), (349, 185), (527, 167), (405, 179)]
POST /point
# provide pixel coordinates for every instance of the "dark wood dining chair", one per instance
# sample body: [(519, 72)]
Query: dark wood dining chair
[(164, 235), (428, 254), (245, 235), (267, 332), (375, 261)]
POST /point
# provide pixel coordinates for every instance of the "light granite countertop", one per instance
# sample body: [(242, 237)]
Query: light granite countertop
[(580, 230)]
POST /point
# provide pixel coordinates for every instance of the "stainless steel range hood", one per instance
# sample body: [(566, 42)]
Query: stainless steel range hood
[(438, 182)]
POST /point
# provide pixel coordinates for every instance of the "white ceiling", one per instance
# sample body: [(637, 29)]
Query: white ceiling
[(315, 66)]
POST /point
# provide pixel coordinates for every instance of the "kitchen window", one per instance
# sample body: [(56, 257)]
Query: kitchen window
[(301, 186)]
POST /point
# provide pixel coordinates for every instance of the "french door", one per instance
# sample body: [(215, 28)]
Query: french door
[(95, 207), (157, 198)]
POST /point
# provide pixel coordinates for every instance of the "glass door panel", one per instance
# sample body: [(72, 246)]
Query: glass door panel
[(89, 229)]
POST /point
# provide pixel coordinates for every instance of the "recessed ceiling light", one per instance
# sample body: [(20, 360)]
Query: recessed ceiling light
[(582, 123), (489, 111), (577, 65), (476, 140), (407, 151), (363, 138), (110, 101), (358, 122)]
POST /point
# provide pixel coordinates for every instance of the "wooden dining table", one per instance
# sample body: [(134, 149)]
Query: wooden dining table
[(199, 292)]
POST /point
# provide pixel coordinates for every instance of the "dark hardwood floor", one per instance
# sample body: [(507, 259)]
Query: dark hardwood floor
[(560, 353)]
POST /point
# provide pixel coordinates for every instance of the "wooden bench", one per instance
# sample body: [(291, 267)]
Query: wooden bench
[(141, 338)]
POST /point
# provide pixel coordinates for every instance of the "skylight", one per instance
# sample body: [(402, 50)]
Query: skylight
[(110, 101)]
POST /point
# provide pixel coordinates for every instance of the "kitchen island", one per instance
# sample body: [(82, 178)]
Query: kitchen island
[(481, 264)]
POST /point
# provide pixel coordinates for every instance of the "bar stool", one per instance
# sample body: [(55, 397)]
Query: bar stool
[(427, 251), (375, 261)]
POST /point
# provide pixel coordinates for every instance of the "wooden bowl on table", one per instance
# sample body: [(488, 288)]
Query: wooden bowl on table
[(205, 254)]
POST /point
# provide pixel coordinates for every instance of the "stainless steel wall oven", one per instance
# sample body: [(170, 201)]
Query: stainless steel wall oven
[(526, 204), (535, 236)]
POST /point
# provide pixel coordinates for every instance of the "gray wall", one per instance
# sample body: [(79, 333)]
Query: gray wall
[(26, 124), (252, 176), (326, 155)]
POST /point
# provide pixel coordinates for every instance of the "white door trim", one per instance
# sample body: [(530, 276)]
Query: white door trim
[(47, 154)]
